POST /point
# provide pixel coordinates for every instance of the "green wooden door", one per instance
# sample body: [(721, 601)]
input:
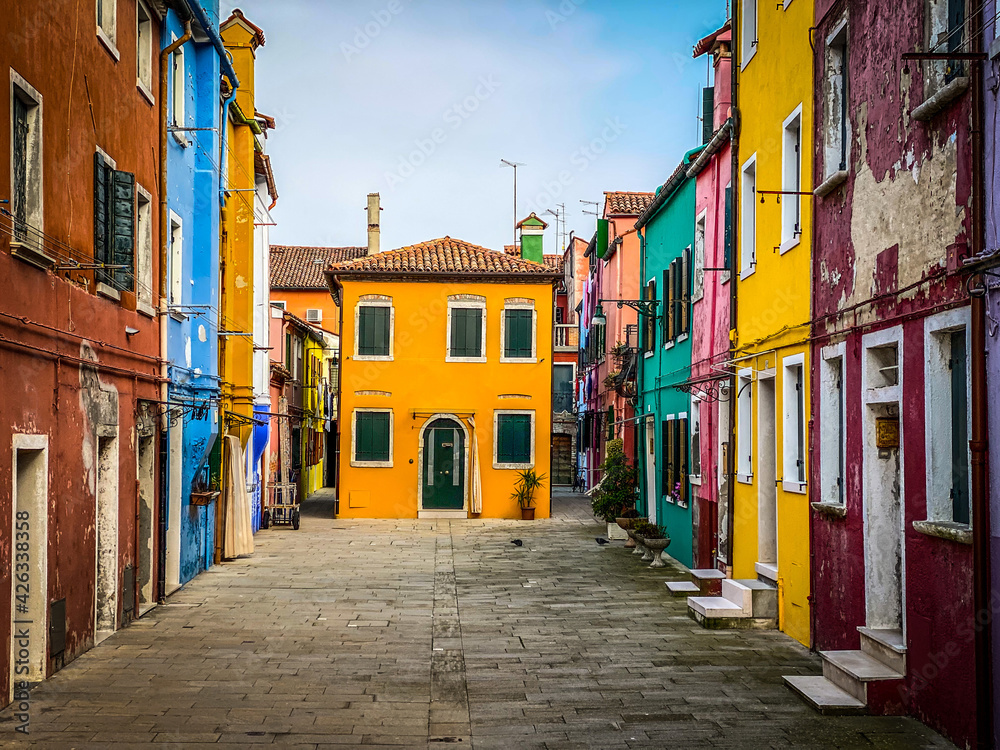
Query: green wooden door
[(444, 466)]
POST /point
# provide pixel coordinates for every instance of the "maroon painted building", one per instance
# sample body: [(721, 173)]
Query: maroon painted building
[(78, 413), (892, 569)]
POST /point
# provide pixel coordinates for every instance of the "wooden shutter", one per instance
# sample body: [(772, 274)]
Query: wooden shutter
[(466, 332), (665, 463), (707, 113), (102, 198), (671, 459), (650, 322), (678, 302), (682, 469), (664, 307), (19, 190), (371, 436), (513, 439), (517, 333), (373, 333), (382, 318), (685, 295), (123, 229), (671, 307)]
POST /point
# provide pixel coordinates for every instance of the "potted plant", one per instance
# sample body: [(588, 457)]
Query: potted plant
[(655, 539), (524, 492), (627, 520), (616, 492)]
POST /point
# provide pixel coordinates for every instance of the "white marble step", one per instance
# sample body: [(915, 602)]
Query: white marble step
[(853, 670), (682, 588), (824, 696), (887, 646), (715, 606)]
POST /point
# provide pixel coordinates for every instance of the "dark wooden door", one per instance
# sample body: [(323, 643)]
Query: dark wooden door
[(444, 466), (562, 459)]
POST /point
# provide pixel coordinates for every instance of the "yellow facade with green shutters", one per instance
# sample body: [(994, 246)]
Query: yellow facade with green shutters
[(773, 272)]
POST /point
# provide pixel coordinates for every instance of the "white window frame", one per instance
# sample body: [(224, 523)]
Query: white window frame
[(176, 255), (937, 407), (380, 302), (144, 250), (698, 257), (694, 425), (572, 380), (836, 127), (178, 93), (791, 180), (496, 443), (748, 217), (749, 27), (833, 426), (107, 30), (34, 171), (468, 304), (503, 332), (790, 425), (144, 50), (744, 426), (354, 439)]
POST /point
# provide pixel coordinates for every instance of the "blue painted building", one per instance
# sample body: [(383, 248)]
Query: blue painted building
[(193, 153), (666, 230)]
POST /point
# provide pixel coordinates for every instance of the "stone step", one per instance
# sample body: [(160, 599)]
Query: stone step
[(853, 670), (767, 572), (682, 588), (738, 594), (715, 606), (708, 580), (887, 646), (757, 598), (824, 696)]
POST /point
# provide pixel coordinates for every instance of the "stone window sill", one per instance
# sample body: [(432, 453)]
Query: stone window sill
[(831, 183), (831, 510), (937, 102), (110, 292), (32, 255), (108, 44), (953, 532)]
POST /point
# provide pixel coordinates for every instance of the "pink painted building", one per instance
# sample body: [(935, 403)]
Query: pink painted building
[(709, 384)]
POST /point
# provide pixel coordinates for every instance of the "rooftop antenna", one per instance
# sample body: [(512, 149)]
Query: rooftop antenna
[(595, 204), (560, 214), (515, 165)]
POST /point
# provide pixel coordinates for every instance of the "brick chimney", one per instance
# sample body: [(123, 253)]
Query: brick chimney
[(374, 207)]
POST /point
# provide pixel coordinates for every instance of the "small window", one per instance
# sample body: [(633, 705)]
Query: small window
[(649, 322), (791, 180), (695, 426), (698, 278), (176, 268), (727, 245), (748, 218), (833, 423), (513, 440), (674, 454), (26, 164), (466, 335), (793, 428), (374, 331), (518, 333), (748, 28), (144, 47), (562, 388), (372, 438), (177, 91), (107, 21), (744, 416), (114, 224), (836, 133)]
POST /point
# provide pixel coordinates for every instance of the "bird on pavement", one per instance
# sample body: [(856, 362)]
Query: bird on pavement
[(601, 540), (517, 542)]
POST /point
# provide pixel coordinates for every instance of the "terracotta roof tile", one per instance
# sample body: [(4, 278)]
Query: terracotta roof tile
[(619, 203), (296, 267), (444, 255)]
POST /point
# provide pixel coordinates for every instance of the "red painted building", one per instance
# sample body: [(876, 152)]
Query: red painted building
[(78, 417), (892, 568)]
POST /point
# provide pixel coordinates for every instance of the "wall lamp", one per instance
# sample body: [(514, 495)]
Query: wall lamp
[(645, 307)]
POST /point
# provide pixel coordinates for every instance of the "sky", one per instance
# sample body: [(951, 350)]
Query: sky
[(419, 100)]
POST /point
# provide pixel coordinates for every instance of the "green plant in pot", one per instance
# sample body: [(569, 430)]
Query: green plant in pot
[(655, 539), (524, 492), (616, 491), (626, 521)]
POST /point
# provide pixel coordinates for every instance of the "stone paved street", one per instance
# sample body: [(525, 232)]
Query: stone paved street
[(437, 633)]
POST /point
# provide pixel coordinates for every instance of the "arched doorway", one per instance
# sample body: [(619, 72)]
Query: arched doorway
[(442, 464)]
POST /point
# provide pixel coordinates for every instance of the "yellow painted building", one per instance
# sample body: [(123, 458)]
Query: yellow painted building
[(771, 359), (446, 374)]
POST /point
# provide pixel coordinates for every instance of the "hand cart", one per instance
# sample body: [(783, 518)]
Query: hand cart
[(282, 506)]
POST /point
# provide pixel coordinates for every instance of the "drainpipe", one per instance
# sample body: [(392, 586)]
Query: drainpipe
[(640, 367), (978, 443)]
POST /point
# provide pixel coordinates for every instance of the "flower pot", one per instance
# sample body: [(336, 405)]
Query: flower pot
[(527, 514), (626, 524), (616, 532), (647, 553), (656, 546)]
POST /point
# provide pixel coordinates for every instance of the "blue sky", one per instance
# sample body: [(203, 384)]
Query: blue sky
[(420, 99)]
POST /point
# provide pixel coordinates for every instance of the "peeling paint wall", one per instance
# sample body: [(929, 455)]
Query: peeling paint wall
[(884, 239)]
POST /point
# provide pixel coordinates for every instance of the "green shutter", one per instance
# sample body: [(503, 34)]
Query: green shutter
[(102, 189), (513, 438), (373, 331), (665, 463), (727, 248), (685, 326), (123, 229), (466, 332), (371, 438), (517, 333)]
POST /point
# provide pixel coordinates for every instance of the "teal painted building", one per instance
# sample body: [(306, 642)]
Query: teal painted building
[(666, 231)]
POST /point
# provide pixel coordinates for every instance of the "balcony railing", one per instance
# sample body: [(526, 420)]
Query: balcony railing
[(566, 337)]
